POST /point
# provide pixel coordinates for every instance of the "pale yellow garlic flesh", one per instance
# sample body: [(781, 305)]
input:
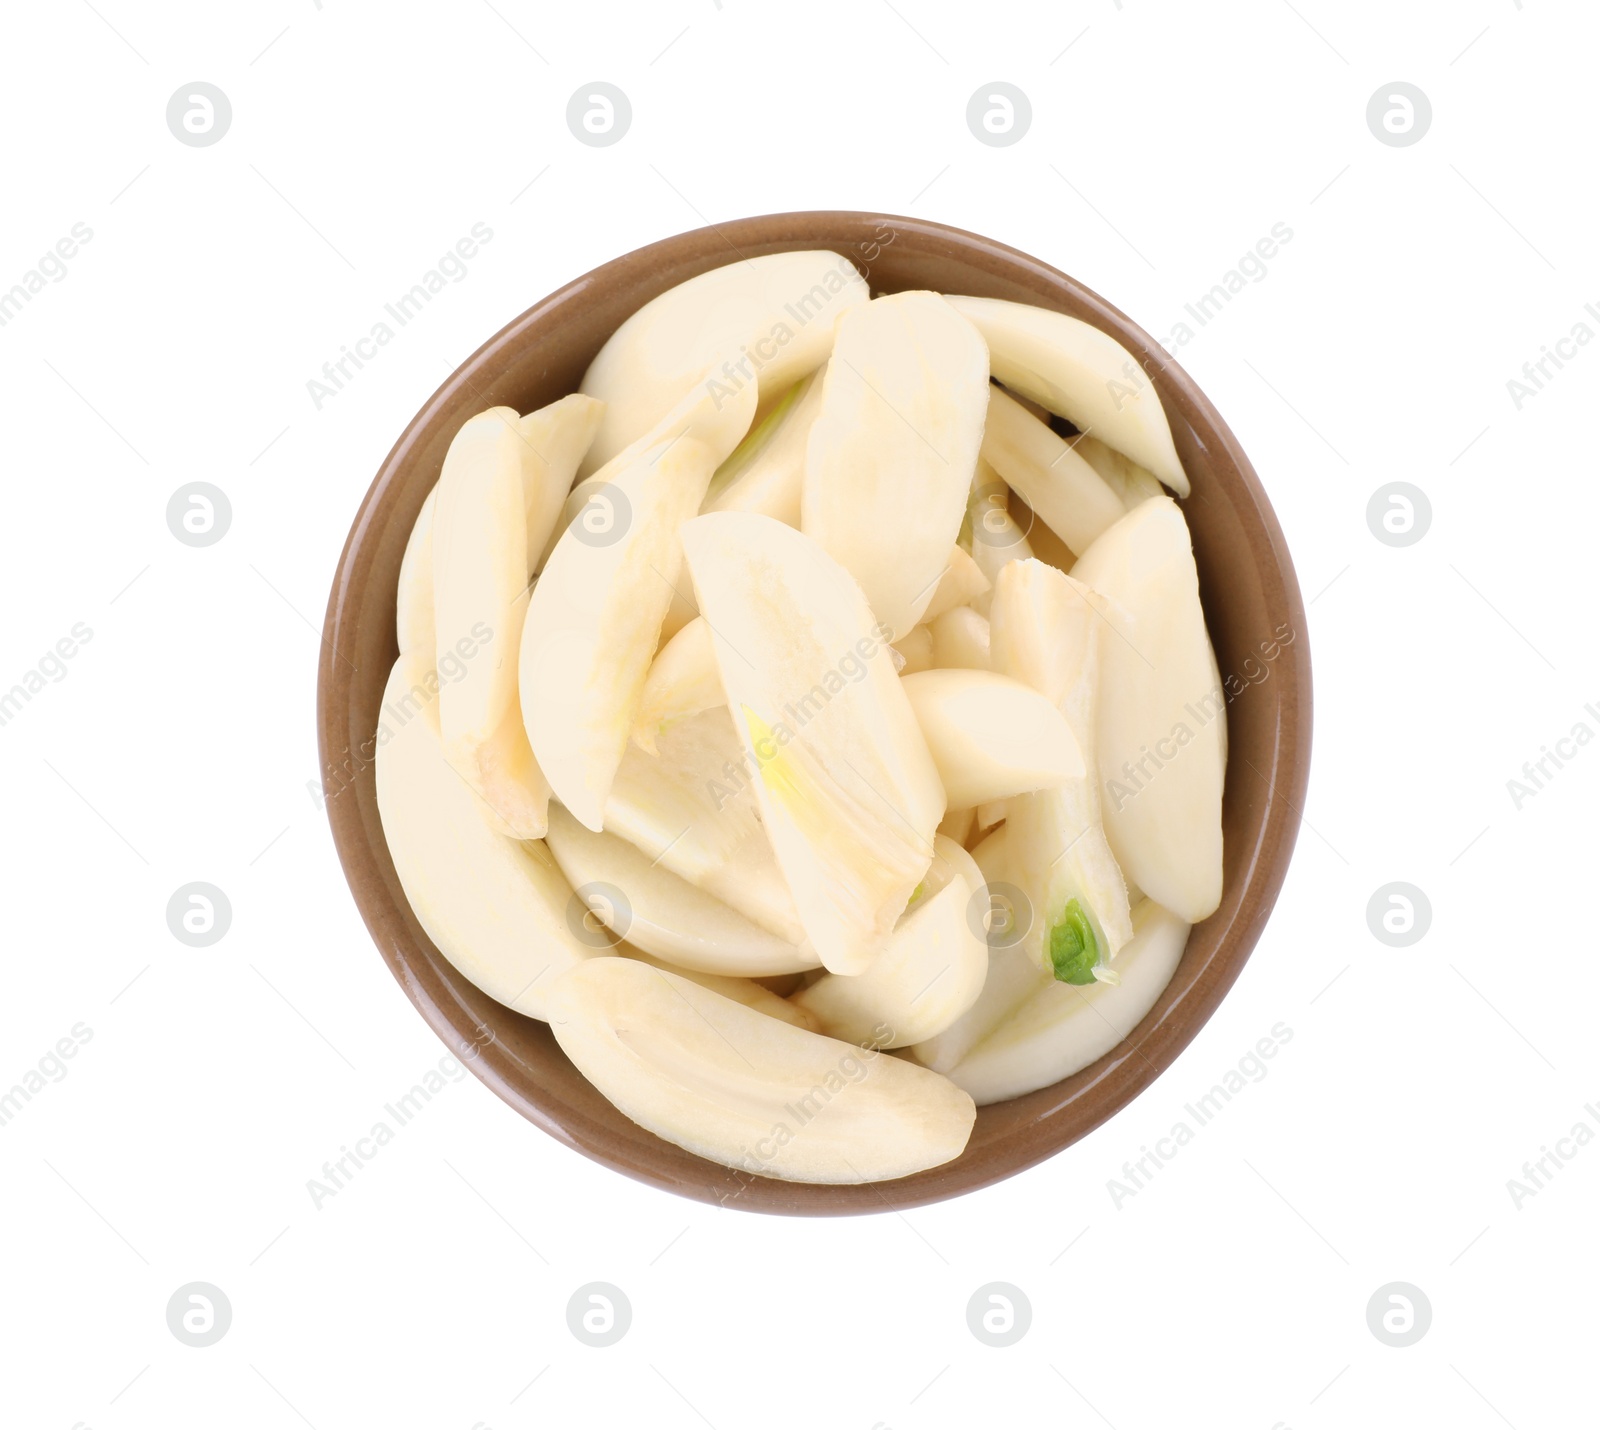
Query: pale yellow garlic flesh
[(1079, 373), (930, 973), (890, 457), (1161, 724), (665, 915), (788, 652), (847, 791), (594, 619), (730, 1084), (991, 737), (1059, 486), (498, 909), (1062, 1028), (759, 322), (480, 596), (1050, 635)]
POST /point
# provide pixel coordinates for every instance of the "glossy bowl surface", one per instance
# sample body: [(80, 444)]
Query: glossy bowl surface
[(1248, 588)]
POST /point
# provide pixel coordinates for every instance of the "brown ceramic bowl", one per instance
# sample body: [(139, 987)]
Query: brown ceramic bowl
[(1247, 584)]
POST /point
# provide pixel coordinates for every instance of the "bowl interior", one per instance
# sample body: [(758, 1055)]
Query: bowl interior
[(1252, 604)]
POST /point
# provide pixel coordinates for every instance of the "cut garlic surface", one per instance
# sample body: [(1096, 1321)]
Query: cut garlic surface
[(890, 459), (962, 582), (498, 909), (766, 471), (764, 321), (1059, 486), (683, 681), (414, 599), (929, 974), (662, 914), (594, 620), (728, 1083), (692, 809), (480, 597), (740, 990), (1080, 373), (990, 736), (847, 791), (1162, 718)]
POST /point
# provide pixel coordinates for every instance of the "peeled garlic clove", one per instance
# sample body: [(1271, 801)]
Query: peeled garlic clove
[(496, 908), (1063, 1028), (766, 470), (480, 580), (595, 615), (927, 977), (683, 681), (1126, 478), (554, 440), (414, 601), (1050, 634), (915, 649), (1161, 722), (1013, 977), (1060, 487), (739, 990), (848, 793), (747, 1091), (963, 580), (692, 809), (1082, 374), (892, 452), (960, 640), (764, 321), (990, 736), (991, 532), (655, 910)]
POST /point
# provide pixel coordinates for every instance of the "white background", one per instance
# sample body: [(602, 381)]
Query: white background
[(1167, 138)]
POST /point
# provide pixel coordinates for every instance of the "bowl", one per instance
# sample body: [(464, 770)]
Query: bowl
[(1247, 587)]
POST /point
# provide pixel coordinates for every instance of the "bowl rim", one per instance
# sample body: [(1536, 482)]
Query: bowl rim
[(1100, 1090)]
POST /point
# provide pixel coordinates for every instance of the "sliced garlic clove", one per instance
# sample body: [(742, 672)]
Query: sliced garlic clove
[(683, 681), (747, 1091), (739, 990), (960, 640), (766, 471), (962, 582), (414, 600)]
